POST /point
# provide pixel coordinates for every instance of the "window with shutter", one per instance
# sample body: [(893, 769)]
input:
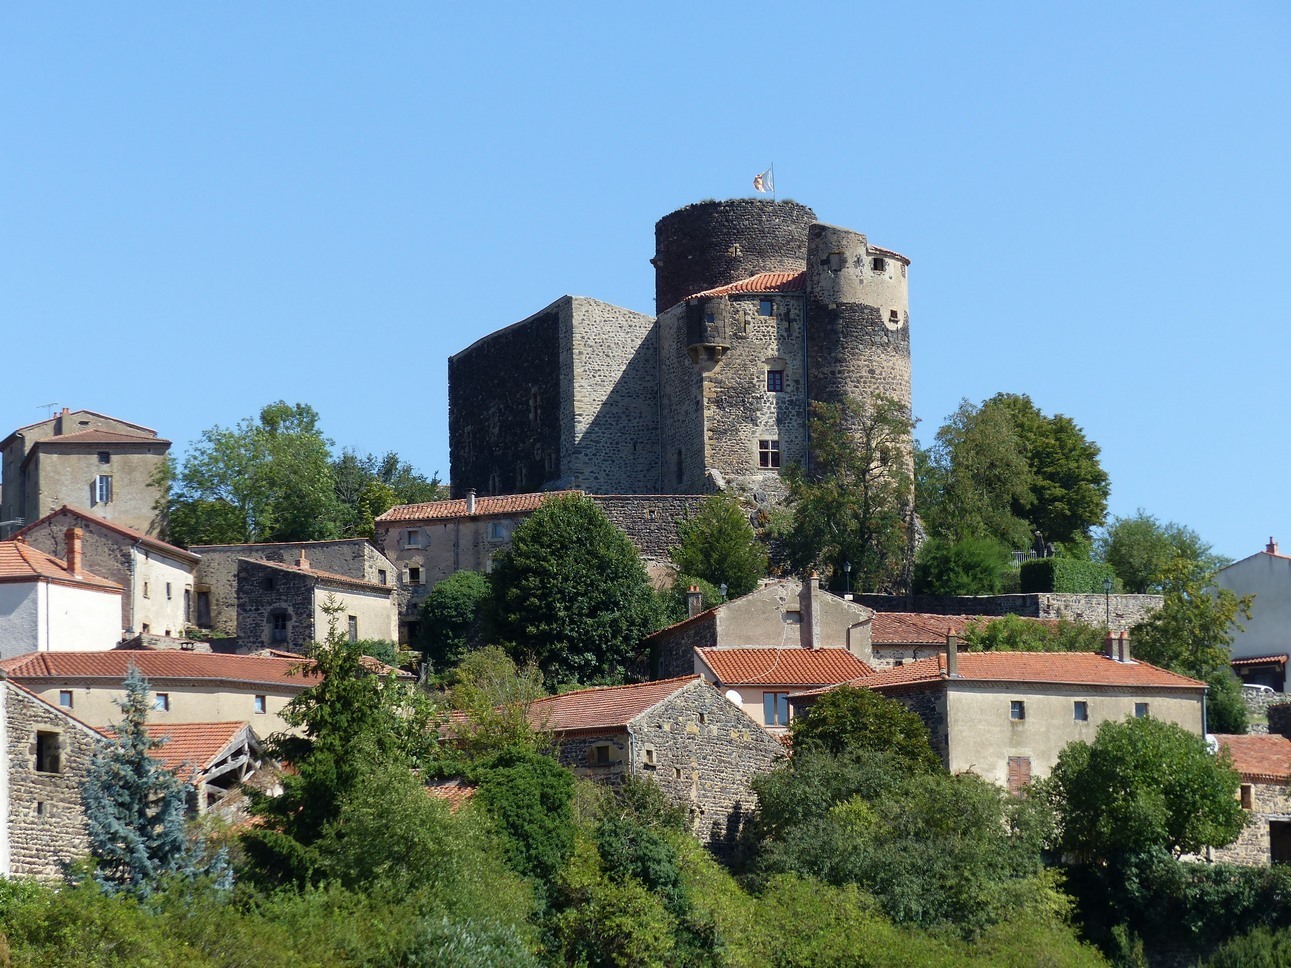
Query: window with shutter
[(1019, 773)]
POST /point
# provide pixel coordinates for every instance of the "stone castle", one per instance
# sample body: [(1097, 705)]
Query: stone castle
[(762, 310)]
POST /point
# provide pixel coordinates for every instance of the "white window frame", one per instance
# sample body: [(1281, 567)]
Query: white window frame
[(103, 489)]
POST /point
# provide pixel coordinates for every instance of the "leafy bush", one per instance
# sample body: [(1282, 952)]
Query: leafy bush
[(1012, 633), (847, 720), (1067, 575), (973, 566), (453, 617), (720, 546), (1261, 948)]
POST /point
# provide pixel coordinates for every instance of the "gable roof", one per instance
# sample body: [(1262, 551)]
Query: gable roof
[(1259, 758), (1053, 668), (1252, 660), (41, 700), (72, 413), (927, 628), (791, 666), (192, 747), (125, 532), (603, 707), (359, 584), (484, 507), (762, 282), (99, 437), (20, 562), (168, 664)]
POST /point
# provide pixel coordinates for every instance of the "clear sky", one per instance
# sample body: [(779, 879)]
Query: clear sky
[(206, 209)]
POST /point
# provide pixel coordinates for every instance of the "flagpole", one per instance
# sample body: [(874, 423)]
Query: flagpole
[(773, 181)]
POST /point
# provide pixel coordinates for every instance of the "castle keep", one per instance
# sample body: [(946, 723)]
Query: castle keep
[(761, 310)]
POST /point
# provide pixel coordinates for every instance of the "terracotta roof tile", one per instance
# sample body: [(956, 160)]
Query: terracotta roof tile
[(99, 437), (484, 507), (1260, 758), (1261, 660), (762, 282), (328, 576), (453, 792), (191, 747), (121, 529), (606, 707), (20, 562), (926, 628), (796, 666), (164, 664)]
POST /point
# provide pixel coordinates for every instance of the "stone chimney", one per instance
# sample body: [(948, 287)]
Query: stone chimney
[(1124, 647), (952, 655), (809, 609), (74, 536), (58, 422), (1111, 645), (302, 561), (470, 501), (1272, 546), (694, 600)]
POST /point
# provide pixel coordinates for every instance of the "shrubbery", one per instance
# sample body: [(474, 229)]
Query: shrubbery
[(1067, 575)]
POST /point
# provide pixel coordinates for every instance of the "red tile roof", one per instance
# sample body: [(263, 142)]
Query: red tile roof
[(99, 437), (327, 576), (73, 413), (796, 666), (484, 507), (1261, 660), (166, 664), (762, 282), (453, 792), (96, 521), (925, 628), (606, 707), (20, 562), (191, 747), (1260, 759)]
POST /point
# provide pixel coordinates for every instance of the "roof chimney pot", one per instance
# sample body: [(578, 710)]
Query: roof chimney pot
[(1272, 546), (694, 601), (470, 501), (302, 561), (952, 656), (74, 536)]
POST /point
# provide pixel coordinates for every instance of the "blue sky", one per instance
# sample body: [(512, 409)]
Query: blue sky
[(204, 210)]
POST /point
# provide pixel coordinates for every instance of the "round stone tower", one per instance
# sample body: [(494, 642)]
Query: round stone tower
[(711, 244), (858, 319)]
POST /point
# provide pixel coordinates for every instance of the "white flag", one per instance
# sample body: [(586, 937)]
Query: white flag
[(765, 182)]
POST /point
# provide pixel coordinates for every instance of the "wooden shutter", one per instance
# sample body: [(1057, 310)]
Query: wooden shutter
[(1019, 773)]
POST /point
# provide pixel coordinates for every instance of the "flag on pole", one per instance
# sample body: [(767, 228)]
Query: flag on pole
[(765, 182)]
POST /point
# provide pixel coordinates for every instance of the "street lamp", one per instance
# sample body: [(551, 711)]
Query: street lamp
[(1107, 603), (723, 589), (847, 580)]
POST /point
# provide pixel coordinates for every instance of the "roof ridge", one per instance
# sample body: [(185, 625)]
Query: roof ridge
[(627, 685)]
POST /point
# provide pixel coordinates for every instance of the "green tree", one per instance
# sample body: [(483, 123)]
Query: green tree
[(369, 486), (267, 479), (348, 720), (1012, 633), (973, 566), (675, 601), (135, 808), (496, 696), (572, 592), (1142, 785), (849, 720), (973, 477), (720, 546), (453, 618), (853, 503), (1069, 487), (1146, 554)]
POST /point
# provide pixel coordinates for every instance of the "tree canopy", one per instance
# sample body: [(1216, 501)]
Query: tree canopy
[(720, 546), (972, 566), (853, 504), (1147, 554), (452, 618), (1012, 633), (848, 720), (572, 593)]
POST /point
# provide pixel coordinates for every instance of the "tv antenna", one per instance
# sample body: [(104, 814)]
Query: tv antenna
[(49, 408)]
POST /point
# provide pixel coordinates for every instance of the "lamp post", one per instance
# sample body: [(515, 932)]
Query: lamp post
[(723, 590), (847, 580), (1107, 604)]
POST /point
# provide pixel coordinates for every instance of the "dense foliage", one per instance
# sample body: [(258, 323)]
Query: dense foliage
[(453, 618), (1012, 633), (720, 546), (847, 720), (971, 566), (1067, 575), (1150, 557), (572, 593)]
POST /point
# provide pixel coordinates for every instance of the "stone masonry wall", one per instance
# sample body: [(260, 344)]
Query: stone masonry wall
[(46, 814), (262, 590), (673, 650), (681, 409), (1126, 610), (609, 429), (1252, 847), (218, 569), (929, 704), (102, 553), (650, 521), (505, 408), (65, 474)]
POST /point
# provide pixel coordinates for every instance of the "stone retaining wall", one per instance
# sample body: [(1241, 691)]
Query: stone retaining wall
[(1126, 611)]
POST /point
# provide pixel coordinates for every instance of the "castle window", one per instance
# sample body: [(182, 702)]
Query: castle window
[(680, 466), (764, 307), (768, 453), (775, 381), (894, 317), (835, 261), (412, 538), (879, 265), (414, 575), (709, 318), (1248, 797), (48, 759), (1017, 710), (535, 407), (278, 622), (521, 475), (381, 576)]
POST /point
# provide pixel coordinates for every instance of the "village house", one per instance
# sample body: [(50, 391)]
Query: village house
[(1264, 762), (50, 605), (289, 607), (84, 459), (700, 749), (214, 757), (46, 755), (157, 578), (186, 687), (1007, 715), (216, 581), (782, 614), (1262, 643)]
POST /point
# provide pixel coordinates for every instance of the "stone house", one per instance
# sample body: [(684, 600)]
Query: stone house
[(286, 607), (49, 605), (157, 578), (1007, 715), (781, 614), (429, 542), (759, 681), (1264, 762), (84, 459), (186, 687), (699, 748), (214, 757), (1261, 644), (216, 581), (46, 755)]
